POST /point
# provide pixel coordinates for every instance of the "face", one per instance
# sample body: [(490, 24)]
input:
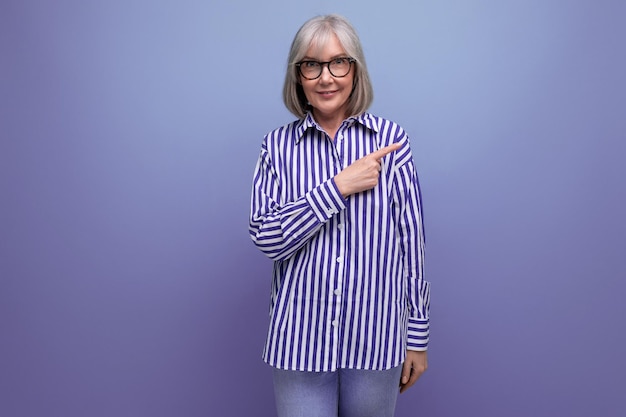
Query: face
[(328, 95)]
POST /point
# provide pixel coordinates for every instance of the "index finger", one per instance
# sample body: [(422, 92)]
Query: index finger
[(386, 150)]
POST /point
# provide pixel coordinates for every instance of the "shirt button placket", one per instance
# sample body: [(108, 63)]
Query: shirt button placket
[(337, 290), (339, 283), (336, 315)]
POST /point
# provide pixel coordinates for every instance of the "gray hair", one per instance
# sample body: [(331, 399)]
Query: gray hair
[(315, 33)]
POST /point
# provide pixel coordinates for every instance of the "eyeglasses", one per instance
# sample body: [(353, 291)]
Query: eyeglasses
[(338, 67)]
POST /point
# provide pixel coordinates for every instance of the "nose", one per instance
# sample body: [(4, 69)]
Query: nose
[(326, 75)]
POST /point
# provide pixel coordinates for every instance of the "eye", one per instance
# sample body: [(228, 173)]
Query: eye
[(340, 61), (310, 64)]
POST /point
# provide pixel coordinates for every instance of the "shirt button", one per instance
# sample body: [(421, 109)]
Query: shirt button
[(340, 226), (337, 291), (340, 259), (335, 323)]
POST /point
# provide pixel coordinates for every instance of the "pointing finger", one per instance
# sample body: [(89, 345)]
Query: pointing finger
[(386, 150)]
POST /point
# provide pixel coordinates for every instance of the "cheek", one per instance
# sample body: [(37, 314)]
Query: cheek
[(346, 84)]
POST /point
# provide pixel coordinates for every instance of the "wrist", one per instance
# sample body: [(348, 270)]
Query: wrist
[(341, 187)]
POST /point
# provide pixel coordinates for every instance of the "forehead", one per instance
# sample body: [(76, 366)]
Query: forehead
[(325, 46)]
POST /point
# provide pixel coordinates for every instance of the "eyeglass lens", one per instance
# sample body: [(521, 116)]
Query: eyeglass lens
[(338, 68)]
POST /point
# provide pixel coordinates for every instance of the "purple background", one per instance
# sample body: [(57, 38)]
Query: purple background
[(129, 132)]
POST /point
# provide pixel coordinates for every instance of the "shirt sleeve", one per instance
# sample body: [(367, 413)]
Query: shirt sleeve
[(279, 229), (411, 231)]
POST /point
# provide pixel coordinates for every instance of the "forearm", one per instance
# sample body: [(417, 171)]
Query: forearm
[(279, 231)]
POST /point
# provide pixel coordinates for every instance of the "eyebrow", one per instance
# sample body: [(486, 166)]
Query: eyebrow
[(342, 55)]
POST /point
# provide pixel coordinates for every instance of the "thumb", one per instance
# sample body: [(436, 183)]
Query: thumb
[(406, 372)]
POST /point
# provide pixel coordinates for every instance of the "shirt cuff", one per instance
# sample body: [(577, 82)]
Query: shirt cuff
[(418, 334), (326, 200)]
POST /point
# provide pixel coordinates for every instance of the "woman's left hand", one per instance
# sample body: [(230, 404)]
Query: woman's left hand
[(414, 366)]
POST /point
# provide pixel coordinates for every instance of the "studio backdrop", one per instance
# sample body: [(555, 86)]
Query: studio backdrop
[(129, 131)]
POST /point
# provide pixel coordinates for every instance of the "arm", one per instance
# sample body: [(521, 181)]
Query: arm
[(280, 229), (411, 230)]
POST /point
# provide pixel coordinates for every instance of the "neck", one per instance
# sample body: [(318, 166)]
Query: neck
[(329, 123)]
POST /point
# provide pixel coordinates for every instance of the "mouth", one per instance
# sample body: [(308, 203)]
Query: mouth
[(327, 94)]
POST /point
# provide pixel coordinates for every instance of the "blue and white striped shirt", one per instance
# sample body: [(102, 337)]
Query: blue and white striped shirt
[(348, 289)]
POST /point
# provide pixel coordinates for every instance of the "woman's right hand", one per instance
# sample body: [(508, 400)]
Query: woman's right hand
[(364, 173)]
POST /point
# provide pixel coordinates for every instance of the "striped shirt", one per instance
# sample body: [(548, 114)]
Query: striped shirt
[(348, 289)]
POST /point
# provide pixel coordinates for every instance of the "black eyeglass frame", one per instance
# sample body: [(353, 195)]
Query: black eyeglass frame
[(321, 64)]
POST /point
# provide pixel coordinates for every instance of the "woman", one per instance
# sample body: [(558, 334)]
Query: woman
[(336, 205)]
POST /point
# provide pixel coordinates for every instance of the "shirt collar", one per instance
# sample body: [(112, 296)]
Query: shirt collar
[(308, 122)]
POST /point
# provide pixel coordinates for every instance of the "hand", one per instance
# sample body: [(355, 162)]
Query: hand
[(363, 174), (413, 367)]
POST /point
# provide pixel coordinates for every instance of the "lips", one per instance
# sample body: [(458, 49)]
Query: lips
[(327, 93)]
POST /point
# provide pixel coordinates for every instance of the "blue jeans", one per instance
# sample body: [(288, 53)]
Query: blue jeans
[(343, 393)]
